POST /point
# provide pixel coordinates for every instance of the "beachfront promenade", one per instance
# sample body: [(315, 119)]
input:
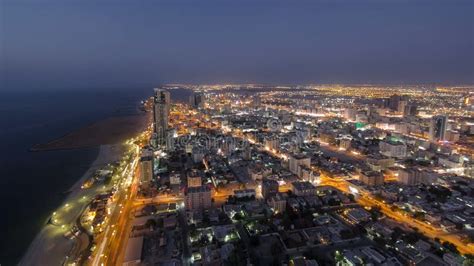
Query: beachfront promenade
[(50, 246)]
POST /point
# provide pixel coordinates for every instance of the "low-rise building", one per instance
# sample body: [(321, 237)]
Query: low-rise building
[(303, 188), (269, 188), (371, 178), (146, 165), (345, 143), (198, 198), (357, 215), (409, 177), (194, 178), (133, 251), (277, 202), (380, 162), (394, 149), (297, 161), (242, 193)]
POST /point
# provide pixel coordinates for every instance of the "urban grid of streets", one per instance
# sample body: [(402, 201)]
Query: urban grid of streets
[(111, 243)]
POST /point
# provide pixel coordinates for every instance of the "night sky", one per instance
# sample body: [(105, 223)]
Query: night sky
[(70, 44)]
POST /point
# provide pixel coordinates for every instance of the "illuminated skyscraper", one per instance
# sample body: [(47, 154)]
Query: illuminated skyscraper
[(161, 110), (196, 100), (438, 127)]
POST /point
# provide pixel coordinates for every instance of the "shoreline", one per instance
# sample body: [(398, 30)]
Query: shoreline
[(106, 131), (49, 246), (107, 154)]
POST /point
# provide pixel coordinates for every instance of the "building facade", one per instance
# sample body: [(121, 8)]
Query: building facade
[(371, 178), (438, 128), (393, 149), (297, 161), (161, 108), (277, 202), (269, 188), (303, 188), (194, 181), (198, 198)]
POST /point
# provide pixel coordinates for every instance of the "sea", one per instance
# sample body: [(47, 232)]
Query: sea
[(33, 184)]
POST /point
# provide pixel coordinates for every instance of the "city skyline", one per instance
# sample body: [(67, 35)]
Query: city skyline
[(331, 175), (237, 132), (124, 44)]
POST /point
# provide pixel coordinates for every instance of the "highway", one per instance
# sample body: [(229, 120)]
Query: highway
[(111, 241)]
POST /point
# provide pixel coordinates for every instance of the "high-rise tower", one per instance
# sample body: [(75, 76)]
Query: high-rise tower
[(196, 100), (438, 127), (161, 109)]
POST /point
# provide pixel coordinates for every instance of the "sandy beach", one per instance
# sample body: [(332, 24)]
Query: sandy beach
[(50, 246), (112, 130)]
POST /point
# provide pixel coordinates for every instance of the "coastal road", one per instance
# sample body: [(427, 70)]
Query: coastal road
[(112, 237), (50, 247)]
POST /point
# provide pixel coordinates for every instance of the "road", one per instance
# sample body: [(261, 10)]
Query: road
[(111, 241), (344, 155), (50, 247), (366, 200)]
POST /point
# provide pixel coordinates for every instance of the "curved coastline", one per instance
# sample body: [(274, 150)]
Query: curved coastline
[(49, 245)]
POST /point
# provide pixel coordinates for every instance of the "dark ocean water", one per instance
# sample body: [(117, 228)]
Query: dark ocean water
[(32, 184)]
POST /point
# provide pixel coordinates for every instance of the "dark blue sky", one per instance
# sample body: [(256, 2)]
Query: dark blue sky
[(125, 43)]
